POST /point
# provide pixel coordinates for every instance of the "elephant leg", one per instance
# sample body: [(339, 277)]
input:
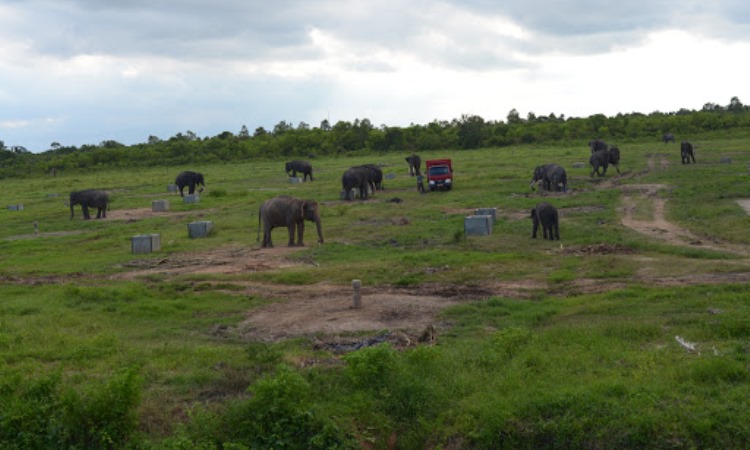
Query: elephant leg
[(85, 209), (300, 233), (267, 236), (534, 229), (290, 227)]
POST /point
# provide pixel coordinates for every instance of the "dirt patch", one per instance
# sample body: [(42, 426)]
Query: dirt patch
[(658, 227), (232, 260), (744, 204), (43, 235), (599, 249), (141, 213), (332, 314)]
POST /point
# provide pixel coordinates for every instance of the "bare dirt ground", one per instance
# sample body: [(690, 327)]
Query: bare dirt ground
[(657, 226)]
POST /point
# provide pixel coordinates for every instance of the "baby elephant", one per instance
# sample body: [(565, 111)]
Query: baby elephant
[(546, 215), (686, 152)]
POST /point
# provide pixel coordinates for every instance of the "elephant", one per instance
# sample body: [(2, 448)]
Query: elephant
[(686, 151), (189, 179), (599, 159), (546, 215), (357, 177), (552, 177), (375, 176), (415, 163), (614, 157), (286, 211), (668, 137), (597, 144), (93, 198), (303, 167)]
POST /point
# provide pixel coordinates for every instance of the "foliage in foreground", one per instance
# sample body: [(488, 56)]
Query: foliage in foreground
[(601, 371)]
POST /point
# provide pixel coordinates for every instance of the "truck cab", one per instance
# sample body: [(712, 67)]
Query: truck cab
[(439, 174)]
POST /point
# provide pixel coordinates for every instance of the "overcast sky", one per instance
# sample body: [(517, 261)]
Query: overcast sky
[(80, 72)]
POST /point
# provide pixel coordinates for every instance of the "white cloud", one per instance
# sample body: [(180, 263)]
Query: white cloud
[(127, 70)]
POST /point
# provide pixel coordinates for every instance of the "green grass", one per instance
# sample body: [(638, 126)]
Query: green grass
[(567, 367)]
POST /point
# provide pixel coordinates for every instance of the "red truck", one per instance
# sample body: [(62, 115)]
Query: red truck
[(439, 174)]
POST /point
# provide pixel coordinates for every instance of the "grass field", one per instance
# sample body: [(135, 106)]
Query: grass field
[(497, 341)]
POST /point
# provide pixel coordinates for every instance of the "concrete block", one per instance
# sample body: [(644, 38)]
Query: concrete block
[(145, 243), (200, 229), (726, 160), (295, 180), (160, 205), (390, 176), (191, 198), (172, 188), (18, 207), (487, 212), (478, 225)]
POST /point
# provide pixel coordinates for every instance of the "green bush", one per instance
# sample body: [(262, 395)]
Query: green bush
[(371, 366), (44, 414), (280, 415)]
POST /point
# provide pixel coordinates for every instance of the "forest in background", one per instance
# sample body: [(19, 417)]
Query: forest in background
[(351, 138)]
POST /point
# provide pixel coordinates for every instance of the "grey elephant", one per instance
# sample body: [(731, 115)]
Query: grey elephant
[(374, 176), (552, 176), (90, 198), (597, 144), (668, 137), (286, 211), (356, 178), (415, 163), (545, 215), (614, 157), (601, 159), (303, 167), (686, 152), (190, 180)]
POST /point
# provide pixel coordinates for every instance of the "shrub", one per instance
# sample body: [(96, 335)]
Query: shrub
[(370, 366)]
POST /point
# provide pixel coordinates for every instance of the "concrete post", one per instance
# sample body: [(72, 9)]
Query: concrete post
[(145, 243), (478, 225), (160, 205), (191, 198), (200, 229), (357, 299), (492, 212)]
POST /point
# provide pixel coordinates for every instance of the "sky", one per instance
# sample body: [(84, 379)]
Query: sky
[(79, 72)]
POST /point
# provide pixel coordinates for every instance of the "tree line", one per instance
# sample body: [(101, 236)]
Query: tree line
[(303, 141)]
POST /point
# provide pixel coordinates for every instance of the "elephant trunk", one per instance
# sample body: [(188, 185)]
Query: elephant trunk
[(320, 230)]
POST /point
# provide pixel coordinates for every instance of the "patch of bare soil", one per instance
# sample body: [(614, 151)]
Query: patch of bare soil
[(232, 260), (140, 214), (659, 228), (333, 314), (744, 204), (599, 249), (43, 235)]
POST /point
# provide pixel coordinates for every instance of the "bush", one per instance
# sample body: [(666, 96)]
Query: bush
[(43, 414)]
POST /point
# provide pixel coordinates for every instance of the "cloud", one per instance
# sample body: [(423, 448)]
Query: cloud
[(127, 70)]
